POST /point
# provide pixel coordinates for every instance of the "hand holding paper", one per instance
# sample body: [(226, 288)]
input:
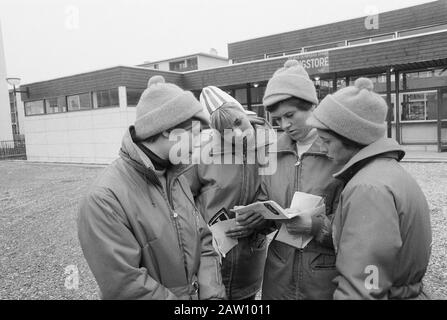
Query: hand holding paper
[(300, 224), (249, 219), (239, 232), (296, 232), (223, 243)]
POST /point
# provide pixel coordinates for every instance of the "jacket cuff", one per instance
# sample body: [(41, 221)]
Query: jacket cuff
[(317, 224)]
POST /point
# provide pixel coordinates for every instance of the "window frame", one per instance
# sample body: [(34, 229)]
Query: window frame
[(35, 114)]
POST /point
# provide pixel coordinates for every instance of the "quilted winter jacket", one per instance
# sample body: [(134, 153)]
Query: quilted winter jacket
[(143, 240), (381, 229)]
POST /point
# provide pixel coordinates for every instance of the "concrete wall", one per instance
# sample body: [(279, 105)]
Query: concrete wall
[(92, 136), (5, 110), (208, 62)]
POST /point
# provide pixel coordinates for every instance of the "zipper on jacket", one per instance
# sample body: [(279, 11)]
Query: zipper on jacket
[(243, 196), (168, 197), (298, 291)]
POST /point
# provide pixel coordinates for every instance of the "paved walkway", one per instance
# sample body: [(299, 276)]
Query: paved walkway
[(425, 156)]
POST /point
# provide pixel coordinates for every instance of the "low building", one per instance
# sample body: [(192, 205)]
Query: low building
[(199, 61), (81, 118)]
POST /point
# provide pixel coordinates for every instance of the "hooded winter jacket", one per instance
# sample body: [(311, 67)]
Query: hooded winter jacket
[(381, 229), (143, 238)]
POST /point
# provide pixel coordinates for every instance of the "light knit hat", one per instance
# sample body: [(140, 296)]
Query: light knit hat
[(290, 81), (355, 112), (212, 98), (163, 106)]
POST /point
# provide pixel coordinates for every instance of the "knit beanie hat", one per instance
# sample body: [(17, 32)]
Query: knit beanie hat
[(290, 81), (212, 98), (355, 112), (163, 106)]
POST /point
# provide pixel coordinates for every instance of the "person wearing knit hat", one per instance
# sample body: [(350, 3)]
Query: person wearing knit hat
[(213, 98), (382, 233), (139, 230), (290, 97), (218, 187), (164, 106)]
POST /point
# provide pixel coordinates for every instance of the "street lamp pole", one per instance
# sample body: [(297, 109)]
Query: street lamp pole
[(15, 82)]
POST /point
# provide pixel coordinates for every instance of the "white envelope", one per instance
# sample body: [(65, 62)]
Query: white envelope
[(220, 240)]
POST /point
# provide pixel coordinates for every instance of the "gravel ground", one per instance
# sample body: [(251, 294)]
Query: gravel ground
[(38, 241)]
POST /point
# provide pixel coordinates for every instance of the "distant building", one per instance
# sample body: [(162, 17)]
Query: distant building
[(6, 133), (199, 61), (82, 118)]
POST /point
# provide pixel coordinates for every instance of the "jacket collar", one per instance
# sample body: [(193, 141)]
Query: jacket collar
[(287, 145), (132, 154), (384, 148)]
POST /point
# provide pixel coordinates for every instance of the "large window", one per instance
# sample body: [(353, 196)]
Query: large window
[(34, 107), (241, 95), (393, 104), (55, 105), (419, 106), (425, 79), (184, 65), (133, 96), (81, 101), (105, 98), (256, 94), (191, 64)]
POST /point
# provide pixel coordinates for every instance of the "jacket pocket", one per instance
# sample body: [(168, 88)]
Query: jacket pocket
[(323, 261), (278, 251)]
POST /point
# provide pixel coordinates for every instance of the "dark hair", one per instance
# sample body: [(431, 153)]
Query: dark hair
[(301, 104), (348, 143)]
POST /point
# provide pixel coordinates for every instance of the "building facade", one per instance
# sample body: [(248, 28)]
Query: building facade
[(199, 61), (5, 110), (81, 118)]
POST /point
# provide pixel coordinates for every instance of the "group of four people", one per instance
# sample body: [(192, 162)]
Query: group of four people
[(143, 225)]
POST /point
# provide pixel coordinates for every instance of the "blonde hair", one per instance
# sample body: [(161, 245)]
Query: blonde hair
[(223, 117)]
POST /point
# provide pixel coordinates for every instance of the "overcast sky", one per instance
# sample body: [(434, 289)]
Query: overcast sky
[(45, 39)]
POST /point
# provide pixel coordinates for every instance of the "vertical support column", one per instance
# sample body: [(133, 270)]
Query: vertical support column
[(439, 119), (20, 113), (249, 96), (397, 90), (122, 96), (388, 102), (334, 83)]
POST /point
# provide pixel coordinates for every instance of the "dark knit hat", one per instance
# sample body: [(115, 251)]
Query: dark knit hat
[(163, 106)]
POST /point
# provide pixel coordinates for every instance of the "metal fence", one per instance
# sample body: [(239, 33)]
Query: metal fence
[(13, 149)]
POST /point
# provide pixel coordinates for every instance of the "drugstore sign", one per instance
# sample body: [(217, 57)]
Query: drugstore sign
[(317, 62)]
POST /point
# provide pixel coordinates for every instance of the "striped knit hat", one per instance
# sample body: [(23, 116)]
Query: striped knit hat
[(212, 98)]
